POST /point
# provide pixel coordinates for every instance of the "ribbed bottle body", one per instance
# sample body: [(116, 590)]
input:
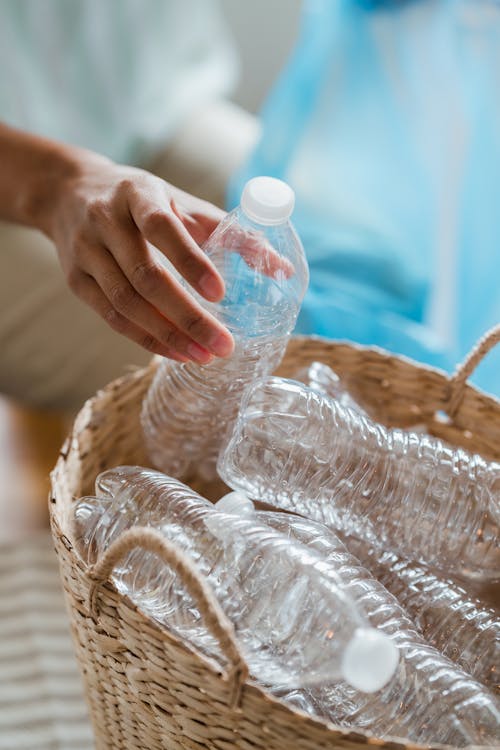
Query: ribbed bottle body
[(429, 699), (292, 624), (295, 595), (449, 619), (190, 407), (300, 450)]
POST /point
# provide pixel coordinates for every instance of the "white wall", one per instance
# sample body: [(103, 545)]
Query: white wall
[(264, 32)]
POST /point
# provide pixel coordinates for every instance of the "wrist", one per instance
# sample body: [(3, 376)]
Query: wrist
[(56, 170)]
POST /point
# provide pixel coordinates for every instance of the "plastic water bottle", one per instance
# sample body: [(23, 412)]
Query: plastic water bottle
[(294, 626), (302, 451), (429, 699), (459, 626), (87, 514), (262, 262), (320, 377), (456, 622)]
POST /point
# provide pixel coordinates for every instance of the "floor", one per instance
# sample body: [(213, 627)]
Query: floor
[(41, 696), (29, 444)]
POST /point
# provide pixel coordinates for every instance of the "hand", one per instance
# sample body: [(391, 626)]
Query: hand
[(104, 220)]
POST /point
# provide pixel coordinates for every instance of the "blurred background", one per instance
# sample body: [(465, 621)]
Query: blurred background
[(264, 34)]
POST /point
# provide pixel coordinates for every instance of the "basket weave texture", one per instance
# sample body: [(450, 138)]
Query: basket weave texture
[(145, 687)]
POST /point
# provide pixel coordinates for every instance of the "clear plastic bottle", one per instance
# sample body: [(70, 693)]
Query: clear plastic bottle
[(459, 626), (429, 699), (302, 451), (452, 619), (87, 514), (320, 377), (262, 262), (293, 625)]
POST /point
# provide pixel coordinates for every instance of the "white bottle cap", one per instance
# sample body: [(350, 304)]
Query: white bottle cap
[(267, 200), (235, 502), (370, 660)]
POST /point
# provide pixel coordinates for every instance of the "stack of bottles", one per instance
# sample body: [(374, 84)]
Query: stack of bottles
[(353, 606), (423, 517), (315, 627)]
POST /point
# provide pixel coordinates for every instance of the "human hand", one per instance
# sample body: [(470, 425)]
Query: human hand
[(104, 220)]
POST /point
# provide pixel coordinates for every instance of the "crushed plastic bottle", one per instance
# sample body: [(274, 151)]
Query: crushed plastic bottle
[(320, 377), (299, 450), (262, 262), (293, 625), (460, 626), (429, 699)]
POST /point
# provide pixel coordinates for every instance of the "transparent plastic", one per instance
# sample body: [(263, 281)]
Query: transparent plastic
[(461, 627), (300, 450), (294, 626), (266, 276), (320, 377), (429, 699)]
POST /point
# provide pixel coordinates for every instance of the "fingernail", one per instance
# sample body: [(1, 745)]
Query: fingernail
[(199, 354), (221, 344), (210, 287)]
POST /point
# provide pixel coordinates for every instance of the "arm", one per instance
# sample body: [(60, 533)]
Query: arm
[(101, 217)]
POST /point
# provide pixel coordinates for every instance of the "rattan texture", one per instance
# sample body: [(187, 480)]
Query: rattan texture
[(145, 687)]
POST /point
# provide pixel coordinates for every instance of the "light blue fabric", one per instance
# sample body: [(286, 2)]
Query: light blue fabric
[(386, 122), (115, 76)]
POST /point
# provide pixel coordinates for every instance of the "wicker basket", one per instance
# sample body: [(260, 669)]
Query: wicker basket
[(145, 687)]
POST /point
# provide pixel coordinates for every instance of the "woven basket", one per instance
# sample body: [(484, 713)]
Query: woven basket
[(145, 687)]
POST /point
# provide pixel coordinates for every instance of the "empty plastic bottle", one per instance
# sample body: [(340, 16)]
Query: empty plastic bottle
[(453, 620), (262, 262), (302, 451), (320, 377), (294, 625), (447, 616), (429, 699), (87, 514)]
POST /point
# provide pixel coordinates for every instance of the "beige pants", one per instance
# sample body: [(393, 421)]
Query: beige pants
[(55, 351)]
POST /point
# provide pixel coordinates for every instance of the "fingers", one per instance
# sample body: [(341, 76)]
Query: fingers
[(199, 217), (89, 291), (161, 226), (154, 285), (135, 292), (200, 220), (259, 254), (129, 303)]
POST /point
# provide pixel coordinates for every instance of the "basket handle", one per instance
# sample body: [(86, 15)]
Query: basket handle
[(466, 368), (152, 541)]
